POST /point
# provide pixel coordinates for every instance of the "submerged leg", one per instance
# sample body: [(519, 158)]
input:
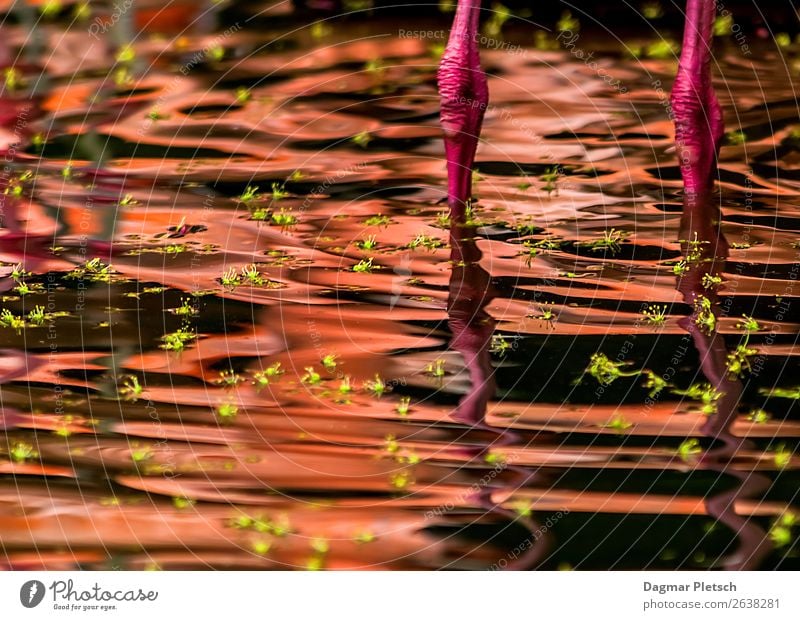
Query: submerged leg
[(462, 86), (698, 120)]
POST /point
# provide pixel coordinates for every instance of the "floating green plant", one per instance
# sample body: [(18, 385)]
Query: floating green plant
[(284, 218), (403, 406), (243, 95), (609, 242), (370, 243), (710, 281), (215, 53), (550, 179), (177, 340), (791, 393), (37, 316), (131, 388), (362, 139), (546, 312), (10, 320), (345, 385), (377, 387), (12, 79), (378, 220), (364, 537), (230, 278), (619, 424), (435, 369), (22, 451), (758, 416), (703, 392), (748, 324), (401, 480), (141, 455), (655, 314), (279, 191), (311, 377), (249, 194), (652, 10), (736, 138), (782, 456), (568, 23), (330, 361), (229, 378), (689, 449), (723, 25), (500, 346), (227, 411), (186, 309), (93, 270), (182, 503), (425, 241), (781, 532), (364, 266), (705, 318)]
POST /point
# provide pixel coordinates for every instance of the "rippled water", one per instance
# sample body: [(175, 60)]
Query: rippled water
[(244, 450)]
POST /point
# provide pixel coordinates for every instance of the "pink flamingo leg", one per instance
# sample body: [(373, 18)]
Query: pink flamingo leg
[(698, 121), (464, 95)]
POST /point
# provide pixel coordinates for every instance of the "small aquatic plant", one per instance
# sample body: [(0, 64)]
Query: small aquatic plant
[(619, 424), (186, 309), (782, 456), (229, 378), (758, 416), (435, 369), (500, 346), (182, 502), (230, 278), (131, 388), (425, 241), (568, 23), (655, 314), (22, 451), (791, 393), (177, 340), (377, 386), (781, 532), (345, 386), (362, 139), (738, 360), (330, 361), (703, 392), (37, 316), (710, 281), (546, 312), (652, 10), (689, 449), (252, 275), (140, 455), (550, 179), (748, 324), (243, 95), (403, 406), (364, 266), (11, 320), (378, 220), (284, 218), (364, 537), (610, 241), (736, 138), (249, 194), (312, 377), (227, 411), (705, 318), (401, 480), (279, 191), (370, 243)]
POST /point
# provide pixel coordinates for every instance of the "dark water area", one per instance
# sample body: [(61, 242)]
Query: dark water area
[(238, 330)]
